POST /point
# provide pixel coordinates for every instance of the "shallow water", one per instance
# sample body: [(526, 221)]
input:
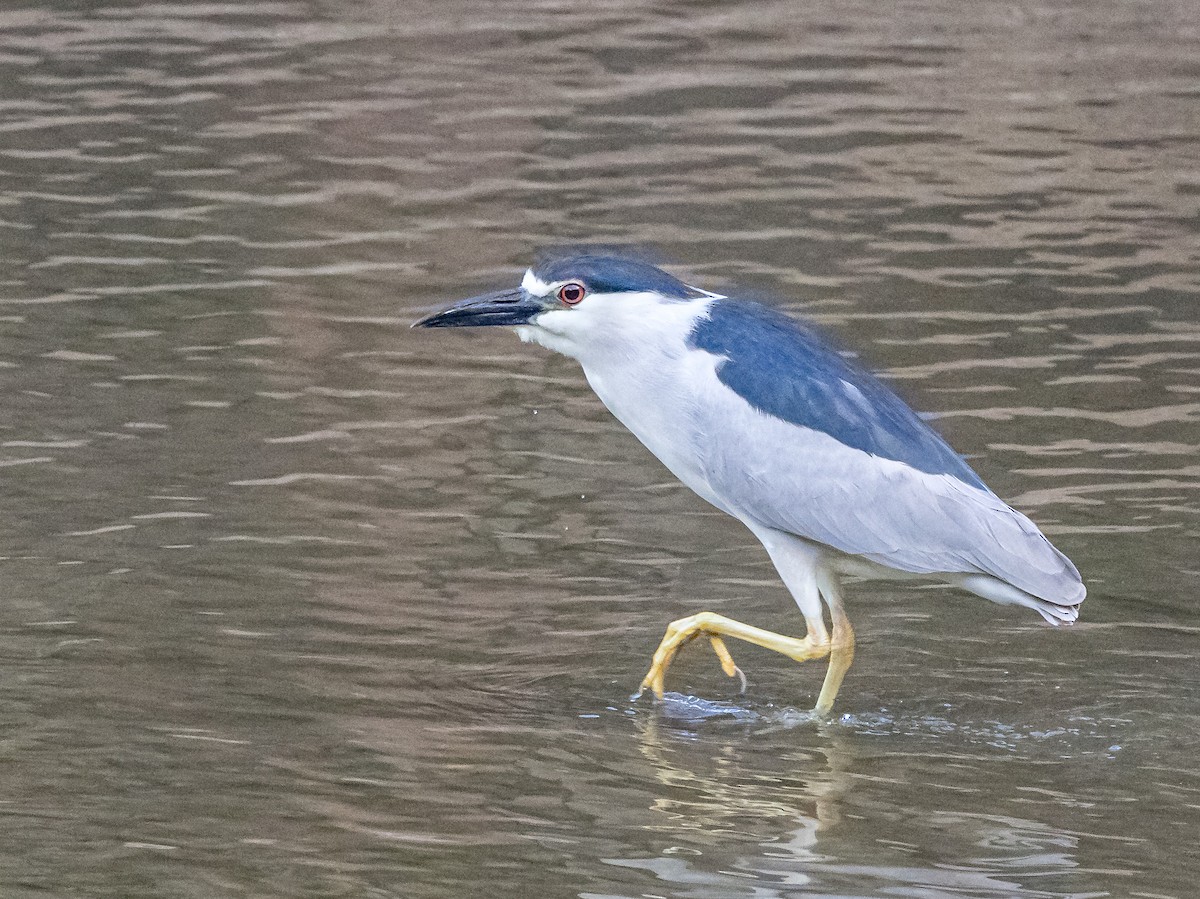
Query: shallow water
[(300, 602)]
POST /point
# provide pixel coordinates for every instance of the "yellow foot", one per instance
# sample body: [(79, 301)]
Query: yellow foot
[(685, 630), (727, 663)]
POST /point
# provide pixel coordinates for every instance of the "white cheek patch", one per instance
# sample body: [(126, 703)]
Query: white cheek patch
[(557, 320)]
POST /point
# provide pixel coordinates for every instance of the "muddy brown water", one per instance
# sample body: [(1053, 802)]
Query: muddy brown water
[(301, 603)]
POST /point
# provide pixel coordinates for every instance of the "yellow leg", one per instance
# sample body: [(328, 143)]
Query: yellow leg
[(714, 626), (841, 654), (815, 645)]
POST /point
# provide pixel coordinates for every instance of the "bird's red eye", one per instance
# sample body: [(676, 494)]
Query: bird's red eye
[(571, 293)]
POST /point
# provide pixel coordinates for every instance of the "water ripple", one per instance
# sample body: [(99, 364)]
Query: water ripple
[(299, 601)]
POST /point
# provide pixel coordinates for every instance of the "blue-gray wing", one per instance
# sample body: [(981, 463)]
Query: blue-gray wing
[(858, 470), (786, 370)]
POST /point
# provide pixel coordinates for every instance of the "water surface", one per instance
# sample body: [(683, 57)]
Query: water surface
[(299, 602)]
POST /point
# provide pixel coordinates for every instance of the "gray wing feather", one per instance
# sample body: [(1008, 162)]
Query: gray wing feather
[(805, 482)]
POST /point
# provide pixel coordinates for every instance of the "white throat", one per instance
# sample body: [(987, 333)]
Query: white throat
[(635, 352)]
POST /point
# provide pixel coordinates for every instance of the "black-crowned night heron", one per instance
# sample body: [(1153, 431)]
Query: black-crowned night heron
[(832, 471)]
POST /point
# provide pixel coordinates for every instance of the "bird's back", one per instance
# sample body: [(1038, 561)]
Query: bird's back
[(785, 370)]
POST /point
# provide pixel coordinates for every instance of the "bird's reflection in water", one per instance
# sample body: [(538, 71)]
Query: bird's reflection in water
[(719, 804), (760, 801)]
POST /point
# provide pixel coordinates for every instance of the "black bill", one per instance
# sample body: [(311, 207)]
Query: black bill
[(505, 307)]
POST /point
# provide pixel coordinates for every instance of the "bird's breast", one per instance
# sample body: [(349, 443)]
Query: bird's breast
[(660, 403)]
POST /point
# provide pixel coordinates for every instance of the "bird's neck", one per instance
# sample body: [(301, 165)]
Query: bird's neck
[(643, 369)]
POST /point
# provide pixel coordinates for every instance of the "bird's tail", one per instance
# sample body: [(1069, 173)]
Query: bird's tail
[(1006, 594)]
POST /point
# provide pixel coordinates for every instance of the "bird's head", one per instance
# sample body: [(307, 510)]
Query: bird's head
[(571, 303)]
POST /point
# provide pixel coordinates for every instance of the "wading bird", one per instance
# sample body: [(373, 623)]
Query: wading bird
[(826, 466)]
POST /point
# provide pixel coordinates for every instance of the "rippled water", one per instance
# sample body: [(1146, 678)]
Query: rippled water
[(299, 602)]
